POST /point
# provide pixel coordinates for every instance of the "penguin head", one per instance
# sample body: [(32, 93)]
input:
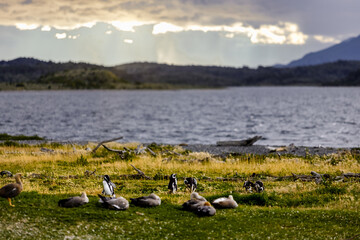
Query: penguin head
[(173, 176), (106, 178)]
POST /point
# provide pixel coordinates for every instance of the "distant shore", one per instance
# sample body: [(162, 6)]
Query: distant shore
[(223, 151), (302, 151)]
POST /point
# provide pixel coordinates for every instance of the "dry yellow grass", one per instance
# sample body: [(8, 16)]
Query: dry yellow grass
[(62, 171)]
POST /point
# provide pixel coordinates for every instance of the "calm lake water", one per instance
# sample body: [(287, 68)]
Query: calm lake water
[(309, 116)]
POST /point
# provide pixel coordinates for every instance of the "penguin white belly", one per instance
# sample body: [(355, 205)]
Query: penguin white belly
[(108, 190)]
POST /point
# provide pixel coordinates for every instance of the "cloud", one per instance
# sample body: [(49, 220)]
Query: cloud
[(127, 26), (60, 35), (282, 33), (325, 39), (46, 28), (25, 26), (70, 14), (128, 41), (164, 27)]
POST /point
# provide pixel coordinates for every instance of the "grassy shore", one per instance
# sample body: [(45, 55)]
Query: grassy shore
[(287, 209)]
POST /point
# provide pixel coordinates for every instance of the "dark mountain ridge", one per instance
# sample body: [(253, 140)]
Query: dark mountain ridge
[(28, 70), (348, 50)]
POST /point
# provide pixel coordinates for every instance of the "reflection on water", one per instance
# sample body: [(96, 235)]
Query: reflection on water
[(282, 115)]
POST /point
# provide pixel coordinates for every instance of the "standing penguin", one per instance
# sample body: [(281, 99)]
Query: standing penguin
[(172, 183), (108, 186), (191, 183)]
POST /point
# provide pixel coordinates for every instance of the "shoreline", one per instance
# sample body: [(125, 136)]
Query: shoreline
[(223, 151)]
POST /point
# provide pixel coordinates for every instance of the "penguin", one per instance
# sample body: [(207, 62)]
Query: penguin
[(259, 186), (224, 202), (11, 190), (249, 186), (191, 183), (6, 173), (206, 210), (108, 186), (172, 183), (74, 201), (147, 201), (118, 203)]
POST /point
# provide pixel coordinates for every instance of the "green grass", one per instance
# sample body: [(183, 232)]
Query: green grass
[(38, 216), (286, 210)]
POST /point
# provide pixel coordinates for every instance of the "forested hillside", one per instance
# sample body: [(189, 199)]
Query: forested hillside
[(27, 71)]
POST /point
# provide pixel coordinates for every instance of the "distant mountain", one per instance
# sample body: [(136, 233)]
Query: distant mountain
[(28, 73), (348, 50), (328, 74)]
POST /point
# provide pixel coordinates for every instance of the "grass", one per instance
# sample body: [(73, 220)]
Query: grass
[(286, 210)]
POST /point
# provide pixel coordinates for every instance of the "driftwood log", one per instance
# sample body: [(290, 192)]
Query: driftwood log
[(106, 141), (246, 142), (89, 173), (318, 178), (138, 150), (141, 173), (114, 150), (151, 151)]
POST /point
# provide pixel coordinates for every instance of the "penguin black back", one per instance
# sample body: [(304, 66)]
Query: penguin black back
[(259, 186), (191, 183), (249, 186)]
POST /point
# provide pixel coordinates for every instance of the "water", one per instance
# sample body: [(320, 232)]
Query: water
[(308, 116)]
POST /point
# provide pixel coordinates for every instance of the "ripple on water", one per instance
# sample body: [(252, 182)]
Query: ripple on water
[(307, 116)]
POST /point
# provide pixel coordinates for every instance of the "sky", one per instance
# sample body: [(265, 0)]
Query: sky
[(233, 33)]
